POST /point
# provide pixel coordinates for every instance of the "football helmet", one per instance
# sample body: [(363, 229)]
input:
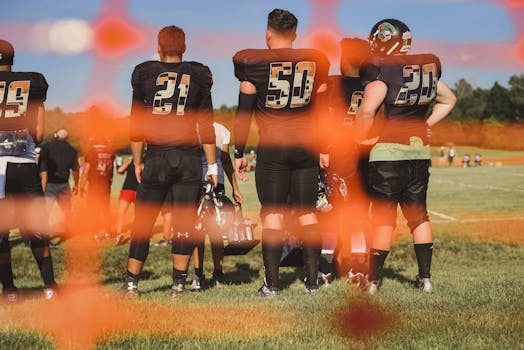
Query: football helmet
[(390, 37)]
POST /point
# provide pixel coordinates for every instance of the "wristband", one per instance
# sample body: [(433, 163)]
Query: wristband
[(239, 153), (212, 169)]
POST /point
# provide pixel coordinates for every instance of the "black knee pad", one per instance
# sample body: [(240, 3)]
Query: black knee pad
[(37, 242), (5, 247), (183, 243), (415, 214), (139, 250), (384, 213)]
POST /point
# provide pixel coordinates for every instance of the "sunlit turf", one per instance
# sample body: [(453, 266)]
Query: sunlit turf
[(478, 301)]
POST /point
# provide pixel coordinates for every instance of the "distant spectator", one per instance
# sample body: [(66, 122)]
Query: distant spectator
[(451, 155), (98, 173), (478, 160), (442, 156), (466, 160), (127, 195), (58, 159)]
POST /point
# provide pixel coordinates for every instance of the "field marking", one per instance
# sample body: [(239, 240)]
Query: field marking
[(480, 187), (444, 216), (511, 218)]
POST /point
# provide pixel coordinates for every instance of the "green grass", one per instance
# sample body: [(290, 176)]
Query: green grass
[(478, 302)]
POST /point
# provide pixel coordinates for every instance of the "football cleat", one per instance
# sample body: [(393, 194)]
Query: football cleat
[(370, 287), (49, 293), (130, 288), (312, 290), (266, 291), (325, 278), (424, 284), (178, 290), (198, 282), (355, 277), (217, 280)]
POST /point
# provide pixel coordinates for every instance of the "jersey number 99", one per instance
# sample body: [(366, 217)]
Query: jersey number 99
[(17, 98)]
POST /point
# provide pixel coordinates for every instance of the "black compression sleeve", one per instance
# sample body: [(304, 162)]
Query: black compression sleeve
[(246, 105)]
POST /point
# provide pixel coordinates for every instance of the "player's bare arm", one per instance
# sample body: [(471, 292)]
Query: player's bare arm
[(445, 101), (246, 105), (136, 149), (374, 94), (230, 173)]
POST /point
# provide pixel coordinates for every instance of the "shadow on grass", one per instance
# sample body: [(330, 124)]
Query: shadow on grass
[(395, 274)]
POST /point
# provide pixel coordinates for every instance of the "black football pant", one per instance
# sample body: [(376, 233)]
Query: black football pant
[(23, 184), (288, 175), (177, 173)]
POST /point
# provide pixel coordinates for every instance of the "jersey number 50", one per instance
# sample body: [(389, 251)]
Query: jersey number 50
[(17, 96), (410, 92), (302, 84), (163, 102)]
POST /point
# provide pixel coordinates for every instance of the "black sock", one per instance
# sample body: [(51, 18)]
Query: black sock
[(199, 272), (377, 258), (218, 272), (46, 270), (131, 277), (179, 276), (312, 249), (424, 253), (271, 254), (6, 276), (358, 262)]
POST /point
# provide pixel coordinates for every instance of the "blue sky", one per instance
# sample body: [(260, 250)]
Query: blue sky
[(472, 38)]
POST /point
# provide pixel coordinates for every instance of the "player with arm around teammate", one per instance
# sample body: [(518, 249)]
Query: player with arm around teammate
[(398, 164)]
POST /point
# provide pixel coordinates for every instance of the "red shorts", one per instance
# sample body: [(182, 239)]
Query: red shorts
[(128, 196)]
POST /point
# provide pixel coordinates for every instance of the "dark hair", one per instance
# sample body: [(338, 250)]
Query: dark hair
[(7, 53), (172, 41), (282, 21), (353, 51)]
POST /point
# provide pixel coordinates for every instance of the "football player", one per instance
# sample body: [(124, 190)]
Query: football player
[(398, 163), (347, 163), (171, 101), (281, 85), (22, 114)]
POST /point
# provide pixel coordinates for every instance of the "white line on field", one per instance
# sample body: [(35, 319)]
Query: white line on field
[(481, 187), (444, 216), (514, 218)]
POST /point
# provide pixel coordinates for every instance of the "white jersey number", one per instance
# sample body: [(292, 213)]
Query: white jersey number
[(301, 90), (17, 97), (162, 104)]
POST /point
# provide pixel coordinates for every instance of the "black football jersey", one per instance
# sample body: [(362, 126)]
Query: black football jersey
[(286, 81), (172, 104), (21, 93), (345, 95), (100, 159), (412, 87)]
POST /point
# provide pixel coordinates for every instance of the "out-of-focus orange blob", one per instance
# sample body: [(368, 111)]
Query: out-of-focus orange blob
[(514, 3), (520, 50), (326, 41), (115, 36)]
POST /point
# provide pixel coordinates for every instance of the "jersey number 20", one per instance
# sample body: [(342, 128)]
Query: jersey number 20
[(410, 92), (17, 97), (302, 84), (163, 102)]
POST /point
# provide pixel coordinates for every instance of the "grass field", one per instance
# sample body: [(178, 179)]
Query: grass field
[(478, 302)]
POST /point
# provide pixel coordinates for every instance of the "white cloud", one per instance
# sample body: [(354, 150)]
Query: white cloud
[(69, 36)]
